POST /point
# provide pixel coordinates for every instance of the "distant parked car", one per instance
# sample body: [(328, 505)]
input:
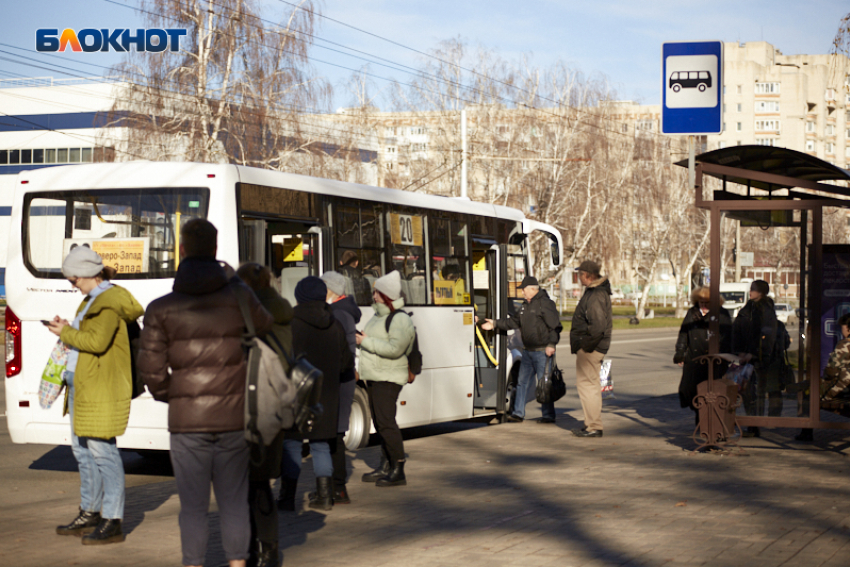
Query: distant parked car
[(634, 295), (617, 294), (785, 313)]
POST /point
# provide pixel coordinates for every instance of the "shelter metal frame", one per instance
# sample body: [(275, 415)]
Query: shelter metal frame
[(772, 169)]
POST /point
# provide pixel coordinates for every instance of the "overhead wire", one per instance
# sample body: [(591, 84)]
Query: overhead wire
[(449, 83)]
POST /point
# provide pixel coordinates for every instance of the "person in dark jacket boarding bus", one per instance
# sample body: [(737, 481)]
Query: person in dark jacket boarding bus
[(540, 323), (191, 357), (590, 339)]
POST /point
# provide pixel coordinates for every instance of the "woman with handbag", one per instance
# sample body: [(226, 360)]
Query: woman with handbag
[(99, 381), (693, 343)]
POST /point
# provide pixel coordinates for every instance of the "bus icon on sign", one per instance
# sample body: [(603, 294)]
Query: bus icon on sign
[(699, 80)]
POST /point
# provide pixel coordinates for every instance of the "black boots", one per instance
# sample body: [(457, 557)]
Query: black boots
[(395, 477), (107, 531), (341, 495), (84, 523), (378, 473), (286, 500), (324, 497), (268, 555)]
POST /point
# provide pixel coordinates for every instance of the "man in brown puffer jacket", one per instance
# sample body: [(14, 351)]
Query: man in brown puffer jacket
[(191, 357)]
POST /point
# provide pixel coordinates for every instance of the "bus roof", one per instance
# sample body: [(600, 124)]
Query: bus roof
[(137, 174)]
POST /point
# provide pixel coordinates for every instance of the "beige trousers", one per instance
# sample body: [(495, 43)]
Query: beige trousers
[(589, 388)]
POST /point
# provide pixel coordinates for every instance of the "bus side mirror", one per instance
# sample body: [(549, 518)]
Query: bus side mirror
[(556, 254)]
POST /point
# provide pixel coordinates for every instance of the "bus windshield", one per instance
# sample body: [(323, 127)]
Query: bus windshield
[(134, 231)]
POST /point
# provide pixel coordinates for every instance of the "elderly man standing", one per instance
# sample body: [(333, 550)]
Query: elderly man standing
[(540, 322), (590, 338)]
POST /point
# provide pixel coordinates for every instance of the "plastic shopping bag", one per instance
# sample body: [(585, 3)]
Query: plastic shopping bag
[(52, 380), (606, 380)]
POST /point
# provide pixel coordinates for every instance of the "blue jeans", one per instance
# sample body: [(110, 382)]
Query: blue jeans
[(533, 363), (101, 469), (290, 464)]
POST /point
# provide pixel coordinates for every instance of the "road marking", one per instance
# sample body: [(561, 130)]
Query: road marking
[(616, 342)]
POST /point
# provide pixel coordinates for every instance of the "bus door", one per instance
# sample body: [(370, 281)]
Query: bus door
[(489, 275), (292, 249)]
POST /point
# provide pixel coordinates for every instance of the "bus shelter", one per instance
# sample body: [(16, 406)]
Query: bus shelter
[(799, 206)]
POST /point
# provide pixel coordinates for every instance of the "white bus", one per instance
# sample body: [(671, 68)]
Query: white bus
[(457, 258)]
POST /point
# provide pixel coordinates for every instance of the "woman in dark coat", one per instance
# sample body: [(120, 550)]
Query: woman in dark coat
[(693, 342), (318, 337), (345, 311), (264, 541)]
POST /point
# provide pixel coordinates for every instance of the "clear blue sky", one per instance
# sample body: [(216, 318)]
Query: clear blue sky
[(617, 39)]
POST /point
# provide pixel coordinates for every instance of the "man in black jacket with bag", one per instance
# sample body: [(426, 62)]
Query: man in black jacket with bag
[(540, 322), (590, 339)]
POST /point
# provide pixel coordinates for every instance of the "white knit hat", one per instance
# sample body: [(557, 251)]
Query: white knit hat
[(82, 262), (390, 285), (335, 282)]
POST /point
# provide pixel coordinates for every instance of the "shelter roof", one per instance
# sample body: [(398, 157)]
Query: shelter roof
[(772, 160)]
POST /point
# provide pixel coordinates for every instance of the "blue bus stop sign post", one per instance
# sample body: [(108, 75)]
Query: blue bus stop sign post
[(692, 88)]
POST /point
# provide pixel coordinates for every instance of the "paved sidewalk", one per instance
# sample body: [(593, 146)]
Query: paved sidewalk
[(521, 495)]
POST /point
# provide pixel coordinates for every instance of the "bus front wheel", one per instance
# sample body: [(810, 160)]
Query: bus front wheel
[(677, 88), (701, 87), (360, 422)]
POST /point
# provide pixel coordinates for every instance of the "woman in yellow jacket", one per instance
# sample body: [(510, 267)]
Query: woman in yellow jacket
[(99, 388)]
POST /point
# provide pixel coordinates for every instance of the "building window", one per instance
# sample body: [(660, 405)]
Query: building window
[(810, 146), (766, 141), (767, 106), (740, 90), (829, 130), (738, 126), (724, 107), (721, 145), (740, 107), (419, 147), (415, 130), (830, 147), (810, 126), (767, 88), (767, 126)]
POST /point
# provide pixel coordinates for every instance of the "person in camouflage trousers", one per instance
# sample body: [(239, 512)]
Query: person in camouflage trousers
[(838, 367)]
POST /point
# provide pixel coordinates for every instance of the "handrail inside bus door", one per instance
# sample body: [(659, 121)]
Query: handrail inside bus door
[(502, 340)]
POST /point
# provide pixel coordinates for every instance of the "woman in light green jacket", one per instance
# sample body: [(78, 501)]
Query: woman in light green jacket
[(383, 365), (99, 388)]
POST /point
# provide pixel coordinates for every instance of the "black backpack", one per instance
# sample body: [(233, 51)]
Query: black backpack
[(414, 359)]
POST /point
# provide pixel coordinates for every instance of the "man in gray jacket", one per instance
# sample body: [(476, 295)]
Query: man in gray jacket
[(590, 338)]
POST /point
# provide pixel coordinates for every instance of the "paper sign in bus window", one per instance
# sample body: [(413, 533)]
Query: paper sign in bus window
[(126, 255)]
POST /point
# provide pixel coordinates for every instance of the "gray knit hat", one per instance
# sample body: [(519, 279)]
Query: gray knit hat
[(82, 262), (390, 285), (335, 282)]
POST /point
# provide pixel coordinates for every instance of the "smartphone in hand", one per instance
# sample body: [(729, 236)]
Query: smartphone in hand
[(45, 322)]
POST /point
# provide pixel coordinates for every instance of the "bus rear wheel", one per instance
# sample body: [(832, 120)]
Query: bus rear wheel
[(360, 422)]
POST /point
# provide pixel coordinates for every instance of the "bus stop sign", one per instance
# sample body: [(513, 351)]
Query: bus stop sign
[(692, 88)]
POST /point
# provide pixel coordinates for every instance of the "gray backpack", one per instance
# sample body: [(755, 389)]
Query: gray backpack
[(269, 392), (280, 392)]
